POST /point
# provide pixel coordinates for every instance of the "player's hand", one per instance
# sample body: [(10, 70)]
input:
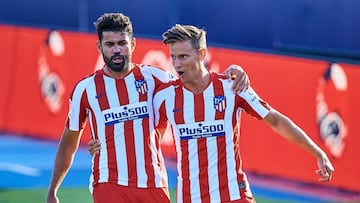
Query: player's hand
[(52, 199), (241, 79), (94, 147), (325, 170)]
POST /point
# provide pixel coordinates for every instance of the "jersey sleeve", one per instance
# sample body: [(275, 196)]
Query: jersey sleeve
[(253, 104), (159, 110), (163, 75), (77, 115)]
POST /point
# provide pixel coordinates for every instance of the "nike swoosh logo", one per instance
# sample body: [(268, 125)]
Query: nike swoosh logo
[(178, 109), (99, 95)]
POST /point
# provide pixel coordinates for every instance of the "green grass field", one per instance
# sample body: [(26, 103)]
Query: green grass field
[(70, 195)]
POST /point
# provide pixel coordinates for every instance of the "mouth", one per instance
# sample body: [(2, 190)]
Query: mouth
[(180, 73), (117, 59)]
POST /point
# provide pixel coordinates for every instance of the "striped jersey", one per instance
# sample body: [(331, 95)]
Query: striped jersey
[(206, 131), (120, 115)]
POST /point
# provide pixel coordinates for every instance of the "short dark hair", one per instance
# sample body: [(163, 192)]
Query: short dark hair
[(179, 33), (116, 22)]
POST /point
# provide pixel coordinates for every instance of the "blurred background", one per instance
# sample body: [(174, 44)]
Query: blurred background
[(302, 56)]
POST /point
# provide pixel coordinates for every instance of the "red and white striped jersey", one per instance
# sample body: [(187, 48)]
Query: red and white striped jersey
[(206, 132), (120, 114)]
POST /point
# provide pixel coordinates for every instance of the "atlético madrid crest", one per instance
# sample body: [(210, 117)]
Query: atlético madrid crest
[(219, 103), (141, 86)]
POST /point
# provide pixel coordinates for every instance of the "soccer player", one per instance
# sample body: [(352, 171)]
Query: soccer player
[(117, 102), (203, 113)]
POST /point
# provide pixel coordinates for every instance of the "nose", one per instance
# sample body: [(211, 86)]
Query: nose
[(116, 49), (176, 63)]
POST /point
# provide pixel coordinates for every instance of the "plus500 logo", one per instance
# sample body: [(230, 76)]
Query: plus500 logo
[(201, 129), (125, 113)]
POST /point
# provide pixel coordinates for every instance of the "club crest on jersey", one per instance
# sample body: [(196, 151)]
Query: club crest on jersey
[(219, 103), (141, 86)]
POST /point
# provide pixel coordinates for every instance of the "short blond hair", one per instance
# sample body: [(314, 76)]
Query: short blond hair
[(179, 33)]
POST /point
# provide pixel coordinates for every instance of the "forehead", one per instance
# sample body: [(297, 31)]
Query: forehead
[(115, 36), (183, 47)]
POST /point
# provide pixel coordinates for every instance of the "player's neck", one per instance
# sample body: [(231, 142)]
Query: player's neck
[(119, 74), (199, 84)]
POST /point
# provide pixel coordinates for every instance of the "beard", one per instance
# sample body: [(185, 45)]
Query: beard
[(117, 67)]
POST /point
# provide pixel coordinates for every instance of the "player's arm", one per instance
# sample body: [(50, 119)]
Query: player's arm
[(161, 125), (161, 121), (293, 133), (160, 130), (64, 157), (240, 77)]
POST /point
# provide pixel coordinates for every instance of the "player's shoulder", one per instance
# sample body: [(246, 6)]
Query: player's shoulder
[(147, 67), (218, 75), (220, 78), (169, 86), (86, 78), (165, 91), (157, 72), (89, 77), (83, 82)]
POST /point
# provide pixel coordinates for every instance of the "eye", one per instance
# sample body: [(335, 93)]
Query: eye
[(122, 43), (109, 44), (183, 56)]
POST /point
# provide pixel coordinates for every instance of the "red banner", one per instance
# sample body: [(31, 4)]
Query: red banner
[(40, 68), (291, 85)]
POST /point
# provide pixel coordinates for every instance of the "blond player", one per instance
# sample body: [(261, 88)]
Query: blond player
[(203, 113)]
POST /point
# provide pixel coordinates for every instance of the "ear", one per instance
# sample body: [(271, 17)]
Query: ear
[(98, 45), (202, 53), (133, 44)]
